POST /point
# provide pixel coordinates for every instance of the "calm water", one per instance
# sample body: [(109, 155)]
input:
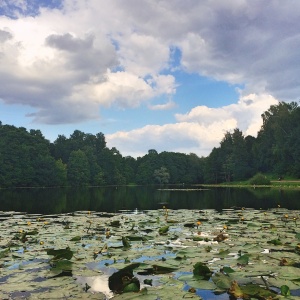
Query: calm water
[(114, 199)]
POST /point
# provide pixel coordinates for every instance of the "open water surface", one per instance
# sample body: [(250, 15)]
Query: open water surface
[(115, 199)]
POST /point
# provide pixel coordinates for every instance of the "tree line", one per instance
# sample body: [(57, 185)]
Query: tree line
[(28, 159)]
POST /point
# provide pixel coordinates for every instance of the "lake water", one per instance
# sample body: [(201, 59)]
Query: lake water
[(115, 199)]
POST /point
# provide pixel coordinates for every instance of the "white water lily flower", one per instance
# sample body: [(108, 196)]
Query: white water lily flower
[(97, 284), (207, 243), (266, 251)]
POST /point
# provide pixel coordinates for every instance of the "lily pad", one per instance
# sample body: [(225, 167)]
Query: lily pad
[(201, 271), (60, 253)]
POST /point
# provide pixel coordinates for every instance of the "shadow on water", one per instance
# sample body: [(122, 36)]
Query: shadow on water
[(115, 199)]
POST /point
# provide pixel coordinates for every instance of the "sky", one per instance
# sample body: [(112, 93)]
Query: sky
[(168, 75)]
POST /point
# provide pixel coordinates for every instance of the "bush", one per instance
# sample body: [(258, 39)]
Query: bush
[(259, 179)]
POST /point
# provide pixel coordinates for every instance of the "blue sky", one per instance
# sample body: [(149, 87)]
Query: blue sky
[(149, 74)]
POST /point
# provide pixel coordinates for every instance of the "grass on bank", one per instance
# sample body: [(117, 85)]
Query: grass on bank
[(261, 180)]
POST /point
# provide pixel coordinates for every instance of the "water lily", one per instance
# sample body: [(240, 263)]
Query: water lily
[(224, 228)]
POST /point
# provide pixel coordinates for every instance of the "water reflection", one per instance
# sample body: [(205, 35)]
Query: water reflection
[(112, 199)]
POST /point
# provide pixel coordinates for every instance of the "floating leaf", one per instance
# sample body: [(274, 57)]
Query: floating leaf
[(67, 273), (157, 269), (119, 280), (75, 238), (163, 230), (285, 290), (63, 264), (4, 253), (60, 253), (235, 290), (222, 281), (125, 242), (275, 242), (132, 287), (255, 290), (115, 223), (197, 238), (136, 238), (201, 284), (201, 270), (148, 281), (190, 225), (223, 253), (228, 270), (243, 260)]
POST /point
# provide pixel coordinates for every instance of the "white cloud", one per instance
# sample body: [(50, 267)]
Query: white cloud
[(68, 63), (143, 54), (123, 89), (166, 106), (247, 113), (50, 62), (184, 137)]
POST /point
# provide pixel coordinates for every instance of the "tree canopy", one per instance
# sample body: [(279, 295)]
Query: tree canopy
[(28, 159)]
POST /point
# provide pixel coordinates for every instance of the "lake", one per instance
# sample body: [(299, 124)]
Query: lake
[(200, 248), (115, 199)]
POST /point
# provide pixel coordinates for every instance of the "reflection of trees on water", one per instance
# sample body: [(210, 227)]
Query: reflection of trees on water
[(113, 199), (45, 200)]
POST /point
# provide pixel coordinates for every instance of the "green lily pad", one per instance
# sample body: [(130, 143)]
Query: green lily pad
[(201, 271), (201, 284), (4, 253), (163, 230), (257, 291), (222, 281), (75, 238), (131, 287), (136, 238), (119, 280), (125, 242), (285, 290), (60, 253), (243, 260)]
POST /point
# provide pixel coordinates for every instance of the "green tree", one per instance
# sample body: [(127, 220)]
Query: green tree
[(241, 157), (78, 169), (276, 141), (161, 175), (61, 173)]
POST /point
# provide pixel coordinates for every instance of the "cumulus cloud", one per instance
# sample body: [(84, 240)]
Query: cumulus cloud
[(166, 106), (5, 35), (247, 113), (52, 62), (184, 137), (198, 131), (69, 61)]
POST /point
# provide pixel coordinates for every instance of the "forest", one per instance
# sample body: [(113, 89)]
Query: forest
[(28, 159)]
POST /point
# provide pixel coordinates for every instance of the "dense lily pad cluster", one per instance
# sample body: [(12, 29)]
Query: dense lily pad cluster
[(162, 254)]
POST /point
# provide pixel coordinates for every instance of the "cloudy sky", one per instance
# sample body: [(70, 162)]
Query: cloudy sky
[(169, 75)]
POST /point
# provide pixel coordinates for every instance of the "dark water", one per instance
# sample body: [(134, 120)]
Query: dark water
[(114, 199)]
